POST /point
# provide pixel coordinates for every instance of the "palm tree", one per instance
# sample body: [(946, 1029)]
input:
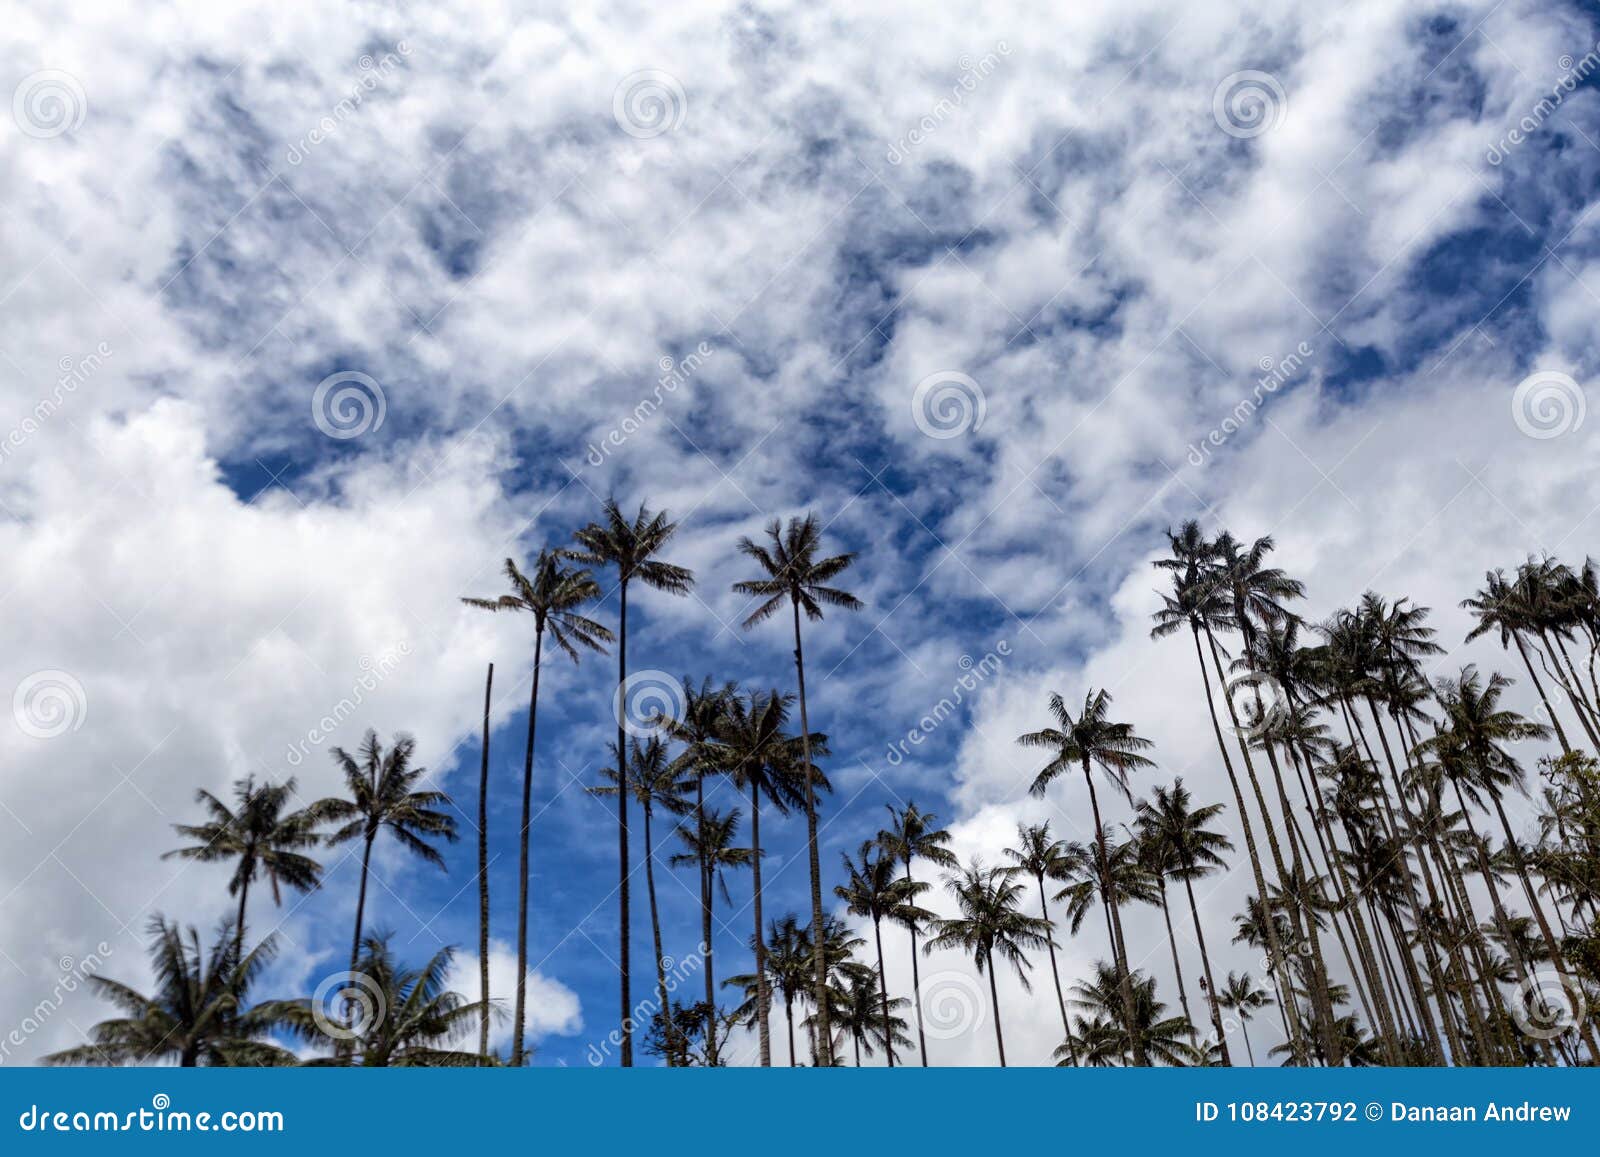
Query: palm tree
[(199, 1014), (1191, 849), (760, 760), (697, 727), (786, 953), (712, 843), (483, 868), (916, 835), (384, 797), (654, 782), (416, 1017), (631, 547), (1105, 1038), (874, 891), (1081, 743), (992, 927), (1244, 996), (266, 843), (552, 596), (795, 574), (1039, 856), (864, 1018)]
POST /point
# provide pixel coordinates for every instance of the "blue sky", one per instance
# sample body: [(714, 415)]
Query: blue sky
[(505, 217)]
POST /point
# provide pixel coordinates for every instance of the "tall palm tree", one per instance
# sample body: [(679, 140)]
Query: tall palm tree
[(786, 954), (1191, 849), (483, 867), (992, 927), (552, 596), (655, 783), (266, 842), (873, 890), (1040, 856), (794, 574), (1103, 1040), (712, 843), (1083, 742), (384, 797), (200, 1013), (1244, 996), (914, 835), (864, 1020), (421, 1018), (631, 547)]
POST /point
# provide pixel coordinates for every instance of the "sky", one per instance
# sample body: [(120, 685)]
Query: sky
[(311, 316)]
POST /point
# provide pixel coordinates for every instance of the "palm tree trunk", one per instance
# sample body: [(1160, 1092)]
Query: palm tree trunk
[(883, 995), (763, 994), (1108, 893), (238, 934), (788, 1012), (994, 997), (1205, 963), (519, 1014), (1279, 962), (483, 873), (1543, 698), (819, 974), (674, 1056), (1055, 972), (361, 898), (707, 885), (1177, 965), (624, 954), (1244, 1027), (916, 984)]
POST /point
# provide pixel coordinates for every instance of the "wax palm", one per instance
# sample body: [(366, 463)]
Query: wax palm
[(384, 797), (266, 842), (787, 956), (713, 847), (914, 835), (794, 574), (656, 784), (1082, 742), (631, 547), (410, 1019), (1040, 856), (863, 1017), (1191, 849), (1242, 995), (1158, 1036), (199, 1014), (840, 969), (873, 889), (992, 928), (552, 596)]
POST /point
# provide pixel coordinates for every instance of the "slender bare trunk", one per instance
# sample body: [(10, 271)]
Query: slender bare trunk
[(483, 872), (819, 974)]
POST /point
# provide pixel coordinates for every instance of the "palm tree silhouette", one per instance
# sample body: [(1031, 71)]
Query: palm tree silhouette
[(795, 574), (914, 835), (1244, 996), (873, 890), (200, 1012), (631, 547), (266, 842), (991, 927), (1103, 1038), (552, 596), (383, 796), (1080, 743), (1040, 856)]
